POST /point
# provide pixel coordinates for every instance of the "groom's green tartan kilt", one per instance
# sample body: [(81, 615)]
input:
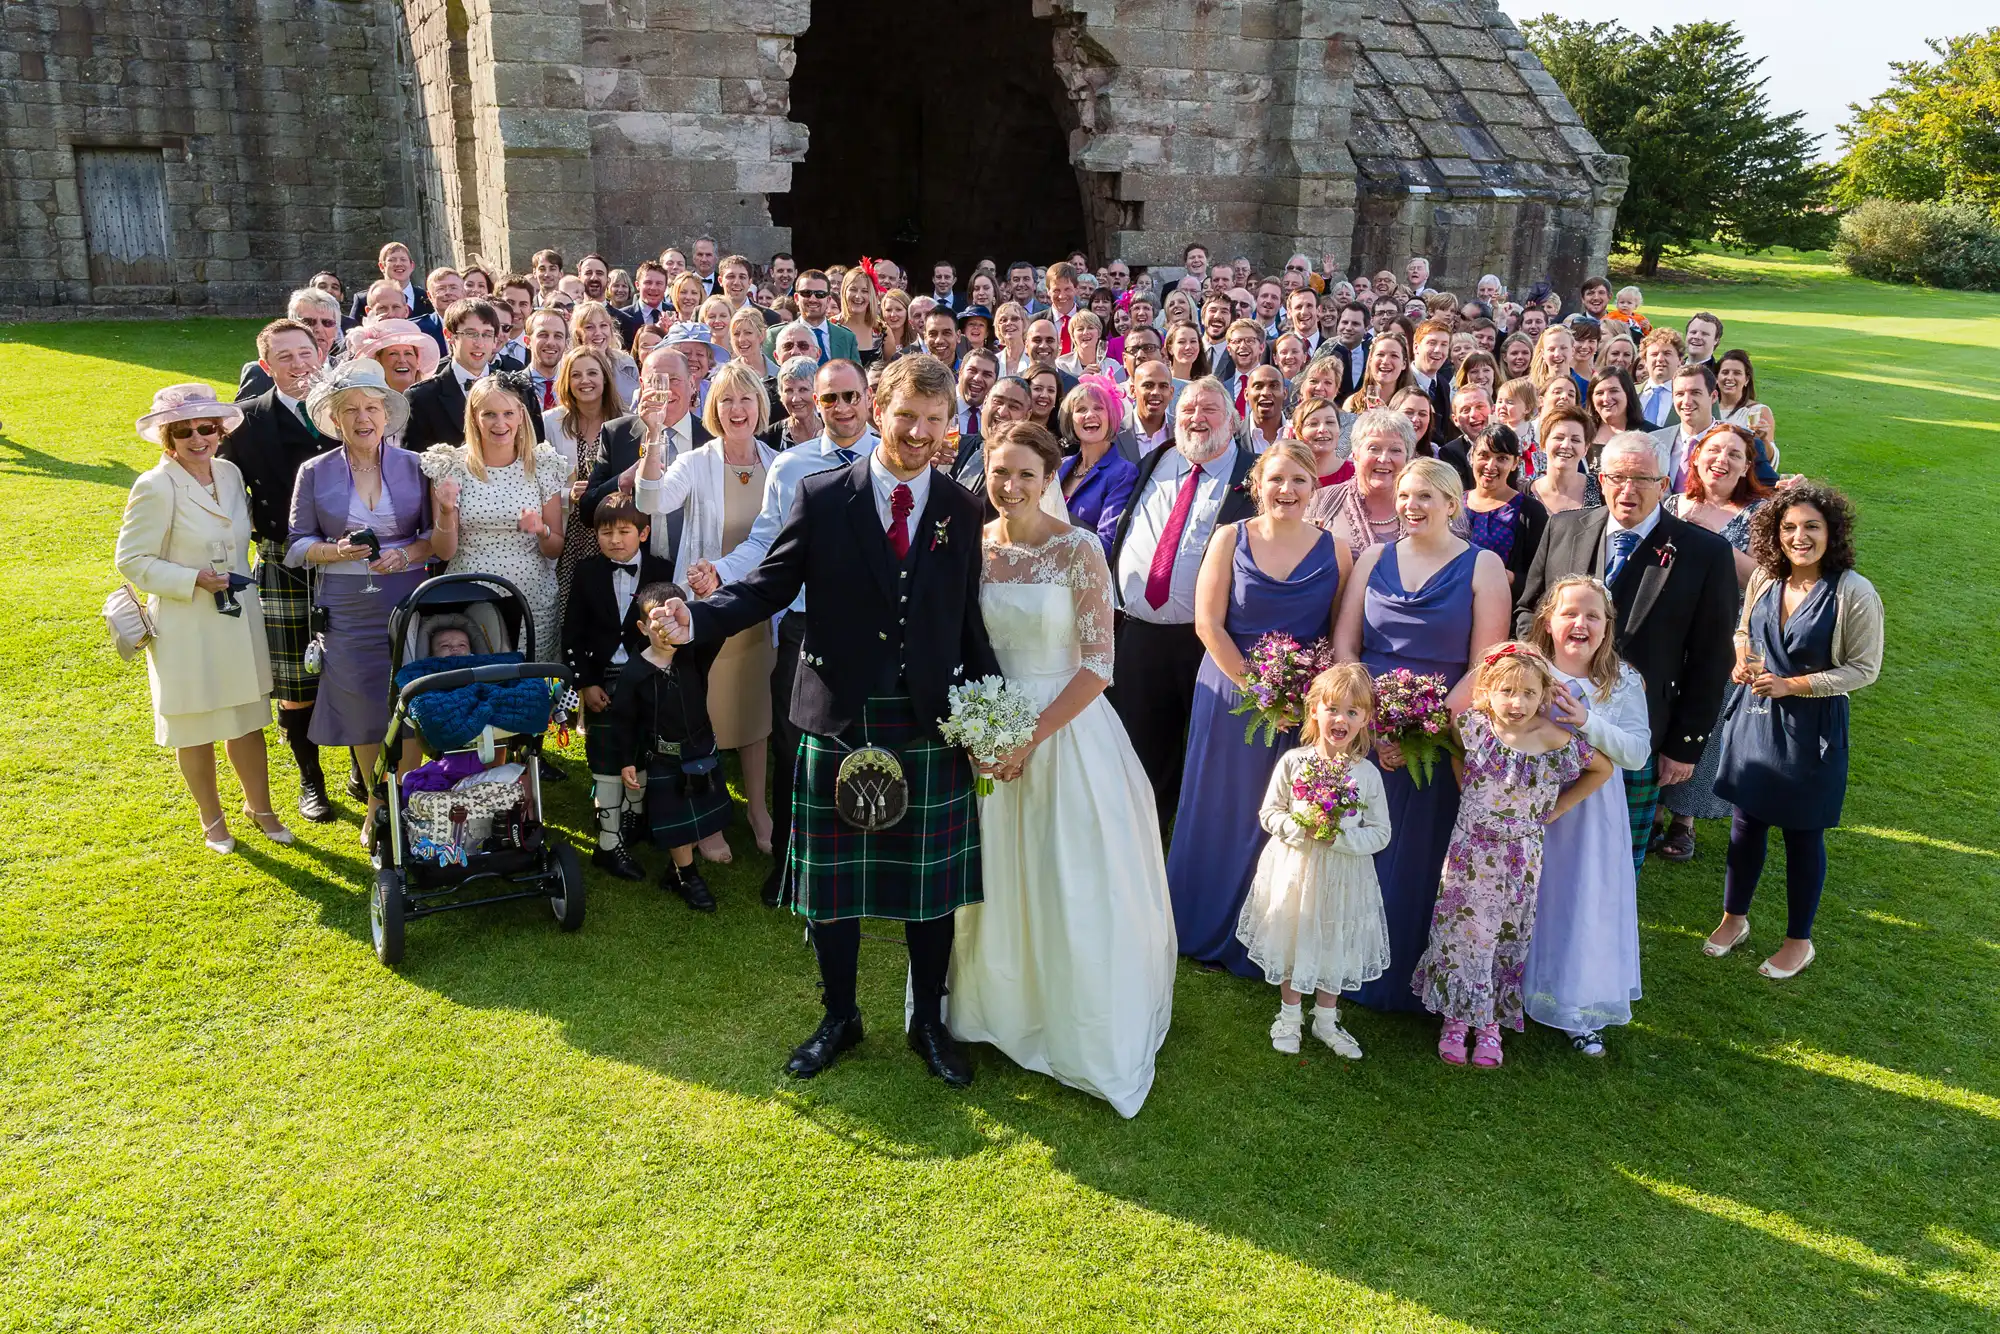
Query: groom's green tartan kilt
[(924, 866)]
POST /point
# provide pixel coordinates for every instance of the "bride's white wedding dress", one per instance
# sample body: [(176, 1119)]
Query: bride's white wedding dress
[(1068, 966)]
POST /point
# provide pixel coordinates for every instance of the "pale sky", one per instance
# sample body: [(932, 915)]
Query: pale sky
[(1819, 55)]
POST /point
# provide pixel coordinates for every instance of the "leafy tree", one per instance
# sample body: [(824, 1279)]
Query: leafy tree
[(1710, 162), (1935, 134)]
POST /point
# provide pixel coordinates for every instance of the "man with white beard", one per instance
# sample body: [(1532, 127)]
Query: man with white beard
[(1184, 489)]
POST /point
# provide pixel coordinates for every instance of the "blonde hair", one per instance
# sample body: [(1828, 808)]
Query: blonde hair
[(733, 374), (686, 278), (1522, 393), (1506, 662), (475, 461), (1439, 476), (1538, 366), (1345, 683), (752, 316), (718, 304), (858, 278), (1603, 669), (584, 312), (1289, 450)]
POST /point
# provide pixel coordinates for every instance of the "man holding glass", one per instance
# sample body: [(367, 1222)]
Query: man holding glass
[(1674, 586)]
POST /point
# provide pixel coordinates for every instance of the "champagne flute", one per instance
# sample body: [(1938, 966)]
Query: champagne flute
[(218, 561), (1753, 659)]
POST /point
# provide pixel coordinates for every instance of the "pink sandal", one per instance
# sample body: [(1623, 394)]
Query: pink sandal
[(1486, 1047), (1451, 1043)]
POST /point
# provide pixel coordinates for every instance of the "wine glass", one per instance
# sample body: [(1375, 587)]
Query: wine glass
[(218, 561), (1753, 658)]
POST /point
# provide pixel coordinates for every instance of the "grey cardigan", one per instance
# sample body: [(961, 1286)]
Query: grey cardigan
[(1857, 633)]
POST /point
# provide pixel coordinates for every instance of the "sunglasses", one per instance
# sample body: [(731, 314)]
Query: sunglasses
[(814, 293), (840, 396), (191, 431)]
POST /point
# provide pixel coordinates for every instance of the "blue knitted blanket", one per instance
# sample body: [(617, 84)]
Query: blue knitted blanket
[(449, 718)]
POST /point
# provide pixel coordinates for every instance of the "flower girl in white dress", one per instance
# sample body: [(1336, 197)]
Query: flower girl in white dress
[(1314, 919), (1068, 965)]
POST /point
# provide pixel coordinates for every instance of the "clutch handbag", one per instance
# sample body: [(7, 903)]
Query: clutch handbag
[(125, 613)]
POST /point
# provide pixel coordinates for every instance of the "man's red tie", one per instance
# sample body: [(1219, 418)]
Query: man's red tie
[(548, 393), (901, 502), (1160, 575), (1242, 389), (972, 419)]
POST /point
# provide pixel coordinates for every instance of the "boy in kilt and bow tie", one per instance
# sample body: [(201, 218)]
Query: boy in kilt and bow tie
[(889, 557)]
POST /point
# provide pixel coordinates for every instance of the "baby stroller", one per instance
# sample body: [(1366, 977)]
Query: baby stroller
[(472, 816)]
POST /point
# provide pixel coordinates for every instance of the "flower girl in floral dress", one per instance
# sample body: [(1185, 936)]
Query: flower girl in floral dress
[(1520, 771), (1313, 920)]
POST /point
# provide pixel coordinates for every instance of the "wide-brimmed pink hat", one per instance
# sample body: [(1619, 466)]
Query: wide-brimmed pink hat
[(186, 403), (371, 338)]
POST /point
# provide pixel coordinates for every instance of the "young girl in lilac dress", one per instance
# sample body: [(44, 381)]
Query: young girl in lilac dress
[(1583, 964), (1314, 920), (1521, 771)]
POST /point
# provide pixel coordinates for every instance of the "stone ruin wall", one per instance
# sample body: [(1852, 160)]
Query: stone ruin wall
[(299, 134)]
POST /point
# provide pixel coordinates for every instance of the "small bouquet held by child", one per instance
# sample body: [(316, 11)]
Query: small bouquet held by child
[(1410, 711), (1276, 675), (1323, 794), (989, 718)]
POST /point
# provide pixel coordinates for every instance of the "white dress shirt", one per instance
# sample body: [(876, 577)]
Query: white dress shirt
[(624, 587), (781, 489), (886, 483), (1150, 512), (1611, 527)]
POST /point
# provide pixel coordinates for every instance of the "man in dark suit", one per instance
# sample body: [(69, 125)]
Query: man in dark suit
[(602, 631), (1431, 368), (270, 445), (1471, 413), (319, 313), (649, 297), (1352, 339), (944, 278), (886, 545), (1185, 488), (445, 288), (437, 406), (397, 267), (1674, 584), (666, 395)]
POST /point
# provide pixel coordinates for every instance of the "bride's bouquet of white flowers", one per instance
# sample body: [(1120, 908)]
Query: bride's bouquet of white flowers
[(990, 717)]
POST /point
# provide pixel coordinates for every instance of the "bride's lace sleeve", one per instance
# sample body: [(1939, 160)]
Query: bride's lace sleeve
[(1090, 577)]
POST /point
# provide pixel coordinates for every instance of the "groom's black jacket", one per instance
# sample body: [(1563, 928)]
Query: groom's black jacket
[(869, 620)]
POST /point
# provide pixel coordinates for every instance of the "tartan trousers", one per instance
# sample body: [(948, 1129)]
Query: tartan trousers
[(1642, 798)]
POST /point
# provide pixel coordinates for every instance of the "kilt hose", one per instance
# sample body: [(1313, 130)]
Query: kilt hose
[(1642, 798), (287, 624), (925, 866)]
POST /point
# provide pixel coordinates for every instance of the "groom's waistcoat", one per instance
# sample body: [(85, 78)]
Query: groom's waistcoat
[(874, 625)]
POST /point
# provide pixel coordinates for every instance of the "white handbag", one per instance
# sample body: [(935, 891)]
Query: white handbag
[(132, 628)]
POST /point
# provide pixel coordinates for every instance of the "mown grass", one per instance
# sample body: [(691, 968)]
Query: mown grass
[(220, 1114)]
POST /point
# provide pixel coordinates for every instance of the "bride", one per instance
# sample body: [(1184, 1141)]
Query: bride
[(1068, 966)]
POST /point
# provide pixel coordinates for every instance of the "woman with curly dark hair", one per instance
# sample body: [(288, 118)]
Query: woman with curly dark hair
[(1810, 635)]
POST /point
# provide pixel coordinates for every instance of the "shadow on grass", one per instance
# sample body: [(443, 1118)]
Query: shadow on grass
[(29, 462), (1726, 1167)]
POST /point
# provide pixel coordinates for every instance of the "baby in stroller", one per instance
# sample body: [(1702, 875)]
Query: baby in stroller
[(655, 744)]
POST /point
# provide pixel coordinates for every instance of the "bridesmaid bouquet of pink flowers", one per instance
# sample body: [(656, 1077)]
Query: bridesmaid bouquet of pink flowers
[(1410, 711), (1276, 675), (1323, 794)]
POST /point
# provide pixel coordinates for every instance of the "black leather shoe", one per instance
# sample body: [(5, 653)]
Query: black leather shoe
[(357, 789), (618, 862), (632, 828), (823, 1048), (550, 773), (687, 882), (930, 1040), (774, 886), (313, 804)]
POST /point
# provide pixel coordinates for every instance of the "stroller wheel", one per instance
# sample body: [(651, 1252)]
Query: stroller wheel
[(568, 905), (385, 915)]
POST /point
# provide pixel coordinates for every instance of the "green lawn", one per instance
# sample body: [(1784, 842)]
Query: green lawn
[(221, 1114)]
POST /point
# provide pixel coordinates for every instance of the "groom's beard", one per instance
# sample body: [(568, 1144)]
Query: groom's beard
[(1199, 449)]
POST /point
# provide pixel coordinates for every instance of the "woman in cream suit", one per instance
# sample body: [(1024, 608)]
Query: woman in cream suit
[(186, 530)]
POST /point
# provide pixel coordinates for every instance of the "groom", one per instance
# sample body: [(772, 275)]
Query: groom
[(887, 551)]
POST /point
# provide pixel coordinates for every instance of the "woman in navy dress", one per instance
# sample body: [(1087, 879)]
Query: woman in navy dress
[(1433, 603), (1275, 572), (1811, 634)]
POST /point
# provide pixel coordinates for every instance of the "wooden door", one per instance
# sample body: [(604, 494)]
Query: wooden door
[(125, 215)]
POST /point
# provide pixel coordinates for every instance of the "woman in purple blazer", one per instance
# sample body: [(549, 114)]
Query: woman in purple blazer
[(361, 485)]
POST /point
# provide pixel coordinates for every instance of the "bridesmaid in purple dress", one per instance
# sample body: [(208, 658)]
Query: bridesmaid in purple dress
[(1275, 572), (1432, 603)]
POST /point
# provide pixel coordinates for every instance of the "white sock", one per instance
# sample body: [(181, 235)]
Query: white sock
[(607, 799), (1290, 1009)]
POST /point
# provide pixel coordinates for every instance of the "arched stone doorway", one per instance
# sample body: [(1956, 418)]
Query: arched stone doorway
[(936, 130)]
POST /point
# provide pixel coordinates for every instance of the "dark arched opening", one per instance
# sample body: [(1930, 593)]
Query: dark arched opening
[(936, 132)]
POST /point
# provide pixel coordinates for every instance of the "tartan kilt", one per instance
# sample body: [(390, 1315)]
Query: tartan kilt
[(924, 867), (675, 819), (1642, 799), (287, 624)]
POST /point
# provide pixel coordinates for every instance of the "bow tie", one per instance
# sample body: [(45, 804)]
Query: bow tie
[(632, 569)]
